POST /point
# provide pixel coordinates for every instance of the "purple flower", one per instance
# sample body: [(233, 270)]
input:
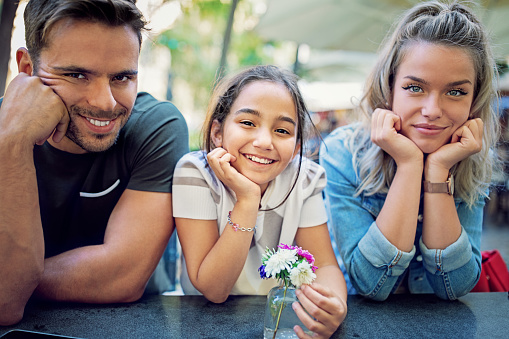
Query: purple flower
[(305, 254), (300, 252), (263, 275), (286, 247)]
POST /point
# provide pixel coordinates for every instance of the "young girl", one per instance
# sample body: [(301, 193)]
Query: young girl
[(251, 189), (402, 224)]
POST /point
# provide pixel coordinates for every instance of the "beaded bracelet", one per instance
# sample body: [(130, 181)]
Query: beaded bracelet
[(236, 227)]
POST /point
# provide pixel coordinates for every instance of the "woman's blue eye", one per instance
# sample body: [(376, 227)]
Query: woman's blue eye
[(457, 92), (413, 88)]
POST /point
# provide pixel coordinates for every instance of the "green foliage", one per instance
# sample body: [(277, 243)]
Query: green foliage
[(196, 42)]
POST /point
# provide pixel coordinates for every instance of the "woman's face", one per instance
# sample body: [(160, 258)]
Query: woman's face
[(433, 92)]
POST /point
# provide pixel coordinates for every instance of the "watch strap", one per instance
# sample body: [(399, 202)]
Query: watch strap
[(438, 187), (435, 187)]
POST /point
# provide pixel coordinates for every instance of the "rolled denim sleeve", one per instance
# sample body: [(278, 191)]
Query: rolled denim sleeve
[(373, 264), (375, 247), (454, 271)]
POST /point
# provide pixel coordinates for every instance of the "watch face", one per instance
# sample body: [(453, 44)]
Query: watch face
[(451, 184)]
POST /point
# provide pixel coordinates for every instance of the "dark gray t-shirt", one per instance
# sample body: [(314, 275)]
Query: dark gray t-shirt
[(77, 192)]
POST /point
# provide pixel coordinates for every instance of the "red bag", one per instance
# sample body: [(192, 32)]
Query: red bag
[(494, 274)]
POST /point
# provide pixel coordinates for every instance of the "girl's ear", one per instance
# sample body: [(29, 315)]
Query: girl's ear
[(297, 150), (216, 134), (24, 61)]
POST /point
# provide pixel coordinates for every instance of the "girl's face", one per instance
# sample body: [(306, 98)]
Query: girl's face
[(260, 131), (433, 93)]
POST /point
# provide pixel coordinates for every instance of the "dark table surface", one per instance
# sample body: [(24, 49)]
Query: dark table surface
[(476, 315)]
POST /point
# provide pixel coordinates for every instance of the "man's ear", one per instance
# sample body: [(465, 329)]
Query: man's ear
[(216, 134), (24, 61)]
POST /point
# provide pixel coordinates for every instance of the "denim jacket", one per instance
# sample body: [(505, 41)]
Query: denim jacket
[(375, 267)]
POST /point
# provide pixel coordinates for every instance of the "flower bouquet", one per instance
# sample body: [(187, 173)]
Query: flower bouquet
[(291, 266)]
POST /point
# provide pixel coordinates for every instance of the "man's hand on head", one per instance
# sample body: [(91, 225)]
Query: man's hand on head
[(32, 111)]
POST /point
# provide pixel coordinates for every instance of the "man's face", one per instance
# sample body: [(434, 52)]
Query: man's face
[(93, 68)]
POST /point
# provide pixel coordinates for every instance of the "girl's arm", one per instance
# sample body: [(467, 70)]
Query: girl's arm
[(325, 299), (214, 262)]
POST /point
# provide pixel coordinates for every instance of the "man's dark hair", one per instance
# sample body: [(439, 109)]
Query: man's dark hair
[(41, 15)]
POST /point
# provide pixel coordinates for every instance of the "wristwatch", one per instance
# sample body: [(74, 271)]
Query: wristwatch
[(439, 187)]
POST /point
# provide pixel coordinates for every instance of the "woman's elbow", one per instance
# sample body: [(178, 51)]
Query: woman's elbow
[(372, 292), (378, 296)]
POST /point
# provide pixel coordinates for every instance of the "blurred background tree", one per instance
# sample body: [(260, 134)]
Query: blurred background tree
[(8, 12), (196, 42)]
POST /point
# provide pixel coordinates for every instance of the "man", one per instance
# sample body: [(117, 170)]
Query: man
[(86, 165)]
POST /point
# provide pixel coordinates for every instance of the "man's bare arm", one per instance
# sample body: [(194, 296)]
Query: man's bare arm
[(21, 238), (28, 115), (118, 270)]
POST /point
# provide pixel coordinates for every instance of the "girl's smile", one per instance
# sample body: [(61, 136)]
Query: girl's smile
[(259, 160)]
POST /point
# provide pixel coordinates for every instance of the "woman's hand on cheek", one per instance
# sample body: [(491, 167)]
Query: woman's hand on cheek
[(385, 127), (465, 141), (221, 163), (327, 309)]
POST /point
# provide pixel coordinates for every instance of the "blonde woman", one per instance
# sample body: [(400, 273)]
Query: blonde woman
[(406, 186)]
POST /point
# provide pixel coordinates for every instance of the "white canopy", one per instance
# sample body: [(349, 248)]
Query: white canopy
[(360, 25)]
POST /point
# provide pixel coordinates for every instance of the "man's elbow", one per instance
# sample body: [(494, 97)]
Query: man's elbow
[(129, 293), (13, 298), (11, 314), (135, 295)]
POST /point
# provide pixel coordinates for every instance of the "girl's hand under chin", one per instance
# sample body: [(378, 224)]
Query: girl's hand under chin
[(465, 141), (327, 309), (221, 163)]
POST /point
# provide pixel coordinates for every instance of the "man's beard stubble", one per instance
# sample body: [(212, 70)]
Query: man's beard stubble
[(96, 142)]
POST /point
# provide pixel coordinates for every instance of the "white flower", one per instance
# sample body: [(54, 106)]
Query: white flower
[(279, 261), (302, 274)]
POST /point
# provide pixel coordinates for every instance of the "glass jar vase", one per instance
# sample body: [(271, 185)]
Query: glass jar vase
[(280, 318)]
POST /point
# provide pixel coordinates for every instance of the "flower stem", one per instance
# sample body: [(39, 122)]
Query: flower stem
[(280, 310)]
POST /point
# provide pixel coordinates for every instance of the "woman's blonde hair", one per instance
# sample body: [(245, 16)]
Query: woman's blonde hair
[(447, 24)]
